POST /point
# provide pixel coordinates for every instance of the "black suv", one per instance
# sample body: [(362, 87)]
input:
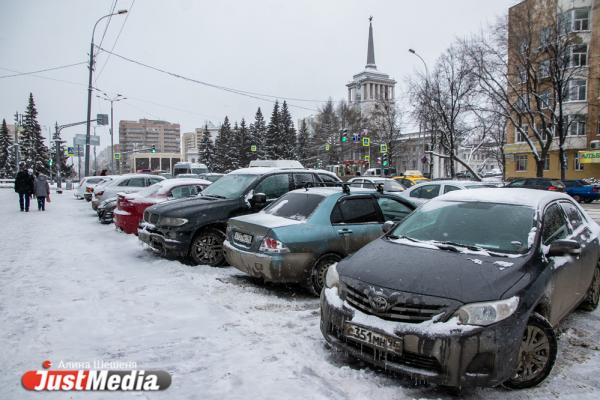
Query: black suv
[(194, 228), (551, 184)]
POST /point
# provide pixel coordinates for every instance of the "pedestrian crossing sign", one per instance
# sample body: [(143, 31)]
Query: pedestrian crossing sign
[(366, 141)]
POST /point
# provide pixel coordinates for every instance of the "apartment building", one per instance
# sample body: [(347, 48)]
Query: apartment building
[(145, 133)]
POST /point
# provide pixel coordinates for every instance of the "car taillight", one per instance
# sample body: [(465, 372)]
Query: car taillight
[(100, 193), (553, 188), (89, 189), (594, 189), (270, 245)]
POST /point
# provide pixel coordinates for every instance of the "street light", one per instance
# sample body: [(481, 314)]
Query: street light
[(89, 103), (427, 93), (112, 100)]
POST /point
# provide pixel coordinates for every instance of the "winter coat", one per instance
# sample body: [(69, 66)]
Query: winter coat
[(24, 182), (41, 186)]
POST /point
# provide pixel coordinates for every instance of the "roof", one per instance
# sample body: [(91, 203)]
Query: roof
[(267, 170), (168, 184), (524, 197)]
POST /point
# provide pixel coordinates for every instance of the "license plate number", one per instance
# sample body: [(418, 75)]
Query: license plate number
[(373, 338), (242, 238)]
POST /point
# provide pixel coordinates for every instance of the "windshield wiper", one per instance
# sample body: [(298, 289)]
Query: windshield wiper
[(402, 237), (466, 246), (217, 196)]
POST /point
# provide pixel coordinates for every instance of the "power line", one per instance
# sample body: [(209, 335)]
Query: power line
[(112, 10), (38, 71), (115, 42), (253, 95)]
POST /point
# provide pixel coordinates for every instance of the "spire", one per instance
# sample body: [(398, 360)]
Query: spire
[(371, 49)]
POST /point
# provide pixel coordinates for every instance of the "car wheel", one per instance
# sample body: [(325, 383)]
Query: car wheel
[(577, 198), (593, 294), (536, 356), (207, 248), (588, 201), (317, 277)]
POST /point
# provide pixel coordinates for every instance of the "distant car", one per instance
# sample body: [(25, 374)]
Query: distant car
[(91, 184), (106, 210), (189, 168), (211, 176), (554, 185), (79, 193), (581, 190), (369, 182), (408, 181), (300, 235), (124, 184), (468, 290), (130, 207), (423, 192)]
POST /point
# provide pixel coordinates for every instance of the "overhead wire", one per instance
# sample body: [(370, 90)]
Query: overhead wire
[(112, 10), (17, 73)]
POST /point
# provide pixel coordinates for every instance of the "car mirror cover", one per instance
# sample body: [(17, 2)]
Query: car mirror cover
[(387, 226), (564, 247)]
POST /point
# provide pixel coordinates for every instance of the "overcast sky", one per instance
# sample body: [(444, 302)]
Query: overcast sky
[(306, 49)]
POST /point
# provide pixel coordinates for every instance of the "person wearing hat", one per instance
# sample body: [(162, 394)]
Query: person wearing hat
[(24, 187)]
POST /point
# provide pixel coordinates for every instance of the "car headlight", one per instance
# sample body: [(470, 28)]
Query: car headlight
[(170, 221), (332, 279), (487, 313)]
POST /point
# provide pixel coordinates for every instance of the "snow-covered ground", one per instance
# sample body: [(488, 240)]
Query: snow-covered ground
[(72, 289)]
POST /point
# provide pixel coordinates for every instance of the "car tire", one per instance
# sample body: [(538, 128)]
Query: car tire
[(577, 198), (538, 344), (207, 248), (592, 296), (316, 280), (588, 201)]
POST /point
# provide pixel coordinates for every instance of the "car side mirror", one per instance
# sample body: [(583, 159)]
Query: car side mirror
[(564, 248), (387, 226), (259, 200)]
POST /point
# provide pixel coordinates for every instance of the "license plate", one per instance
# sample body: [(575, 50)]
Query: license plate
[(242, 238), (375, 339)]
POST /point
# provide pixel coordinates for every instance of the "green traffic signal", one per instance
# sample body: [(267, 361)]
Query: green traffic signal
[(153, 150), (344, 139)]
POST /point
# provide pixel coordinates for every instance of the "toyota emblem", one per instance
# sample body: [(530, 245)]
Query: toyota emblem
[(378, 303)]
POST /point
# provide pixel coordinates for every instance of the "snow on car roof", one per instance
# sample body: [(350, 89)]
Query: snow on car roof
[(169, 184), (525, 197), (266, 170)]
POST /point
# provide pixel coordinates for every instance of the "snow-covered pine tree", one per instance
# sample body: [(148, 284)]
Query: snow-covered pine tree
[(221, 143), (303, 146), (233, 150), (287, 143), (206, 149), (257, 133), (8, 166), (273, 135), (65, 169), (33, 149), (244, 145)]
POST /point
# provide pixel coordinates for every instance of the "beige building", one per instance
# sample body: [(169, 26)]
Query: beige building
[(581, 105), (190, 140), (145, 133)]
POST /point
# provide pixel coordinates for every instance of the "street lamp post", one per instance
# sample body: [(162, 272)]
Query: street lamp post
[(427, 93), (112, 100), (89, 102)]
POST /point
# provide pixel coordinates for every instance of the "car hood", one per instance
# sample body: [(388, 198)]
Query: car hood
[(411, 268), (190, 207)]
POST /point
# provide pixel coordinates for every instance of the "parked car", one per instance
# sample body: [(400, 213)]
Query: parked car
[(130, 207), (81, 189), (195, 228), (467, 290), (581, 190), (211, 176), (554, 185), (387, 171), (91, 183), (106, 210), (123, 184), (296, 238), (366, 182), (423, 192), (189, 168)]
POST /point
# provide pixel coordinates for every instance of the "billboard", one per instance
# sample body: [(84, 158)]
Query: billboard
[(80, 140)]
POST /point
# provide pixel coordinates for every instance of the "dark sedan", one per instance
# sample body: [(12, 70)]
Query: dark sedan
[(468, 290)]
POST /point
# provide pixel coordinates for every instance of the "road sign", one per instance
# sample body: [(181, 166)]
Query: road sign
[(102, 119), (589, 157), (253, 148), (383, 148), (70, 151), (367, 158), (117, 156), (356, 137), (80, 140), (327, 147), (366, 141)]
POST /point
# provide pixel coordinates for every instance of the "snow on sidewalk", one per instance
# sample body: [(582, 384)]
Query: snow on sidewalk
[(72, 289)]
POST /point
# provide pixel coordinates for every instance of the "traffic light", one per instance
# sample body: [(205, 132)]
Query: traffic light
[(50, 162), (153, 149), (344, 135), (385, 160)]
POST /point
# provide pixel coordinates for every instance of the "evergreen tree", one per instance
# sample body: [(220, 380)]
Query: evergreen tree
[(257, 136), (7, 156), (222, 163), (273, 136), (34, 151), (65, 170), (287, 142), (327, 128), (233, 149), (206, 149), (303, 146), (244, 145)]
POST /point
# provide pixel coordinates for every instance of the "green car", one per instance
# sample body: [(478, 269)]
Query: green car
[(297, 238)]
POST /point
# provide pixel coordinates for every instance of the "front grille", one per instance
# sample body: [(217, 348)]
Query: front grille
[(399, 311), (407, 358)]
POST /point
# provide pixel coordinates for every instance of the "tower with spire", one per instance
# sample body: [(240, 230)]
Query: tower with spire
[(370, 86)]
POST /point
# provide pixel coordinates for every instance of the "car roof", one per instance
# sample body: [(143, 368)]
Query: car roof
[(456, 182), (517, 196), (268, 170)]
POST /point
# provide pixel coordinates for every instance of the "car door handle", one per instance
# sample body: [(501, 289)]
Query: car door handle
[(344, 231)]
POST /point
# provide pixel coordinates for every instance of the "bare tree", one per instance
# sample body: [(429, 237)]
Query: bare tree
[(384, 122)]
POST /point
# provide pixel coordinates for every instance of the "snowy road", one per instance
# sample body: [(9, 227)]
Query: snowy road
[(74, 290)]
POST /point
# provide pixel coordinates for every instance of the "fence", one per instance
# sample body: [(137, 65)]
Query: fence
[(7, 183)]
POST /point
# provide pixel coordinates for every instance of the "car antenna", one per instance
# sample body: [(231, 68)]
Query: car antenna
[(380, 188), (346, 188)]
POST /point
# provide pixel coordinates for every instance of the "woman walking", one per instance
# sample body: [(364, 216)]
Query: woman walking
[(24, 187), (41, 189)]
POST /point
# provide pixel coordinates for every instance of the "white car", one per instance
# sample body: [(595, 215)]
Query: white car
[(371, 182), (423, 192), (130, 183), (86, 185)]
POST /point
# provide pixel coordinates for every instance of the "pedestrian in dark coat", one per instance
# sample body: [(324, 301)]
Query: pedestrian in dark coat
[(41, 189), (24, 186)]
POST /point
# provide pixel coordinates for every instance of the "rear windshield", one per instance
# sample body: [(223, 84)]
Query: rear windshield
[(480, 186), (297, 206)]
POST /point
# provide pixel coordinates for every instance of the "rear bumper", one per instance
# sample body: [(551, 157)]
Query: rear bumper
[(282, 268), (95, 204), (87, 196), (127, 223)]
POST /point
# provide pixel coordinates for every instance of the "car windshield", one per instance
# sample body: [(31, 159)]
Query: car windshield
[(503, 228), (230, 186), (297, 206), (150, 190)]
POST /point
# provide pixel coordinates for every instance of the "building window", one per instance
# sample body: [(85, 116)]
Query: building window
[(521, 105), (545, 99), (522, 133), (547, 162), (544, 69), (576, 125), (522, 71), (577, 89), (578, 165), (581, 19), (523, 46), (520, 162), (545, 36), (579, 55)]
